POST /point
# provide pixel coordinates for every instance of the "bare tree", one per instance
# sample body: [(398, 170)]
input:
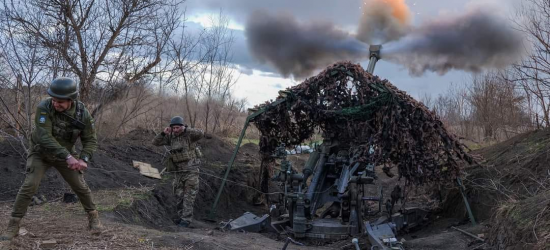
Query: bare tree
[(219, 76), (23, 72), (533, 73), (187, 53), (98, 40), (489, 108), (206, 73)]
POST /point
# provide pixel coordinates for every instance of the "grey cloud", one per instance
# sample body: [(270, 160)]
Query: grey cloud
[(473, 41), (242, 56), (299, 48), (341, 12)]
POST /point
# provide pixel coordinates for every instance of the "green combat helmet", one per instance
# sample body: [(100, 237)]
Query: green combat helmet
[(63, 88), (176, 120)]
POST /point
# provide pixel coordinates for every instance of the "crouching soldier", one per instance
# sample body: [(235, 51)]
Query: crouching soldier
[(60, 120), (184, 163)]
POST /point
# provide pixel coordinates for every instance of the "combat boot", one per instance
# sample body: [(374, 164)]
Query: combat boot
[(93, 222), (13, 229)]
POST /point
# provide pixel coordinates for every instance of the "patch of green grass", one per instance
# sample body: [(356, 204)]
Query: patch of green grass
[(244, 141), (540, 145), (125, 202), (165, 178), (110, 199), (475, 146), (105, 208), (142, 196)]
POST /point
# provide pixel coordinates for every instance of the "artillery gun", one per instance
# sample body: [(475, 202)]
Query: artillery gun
[(334, 177)]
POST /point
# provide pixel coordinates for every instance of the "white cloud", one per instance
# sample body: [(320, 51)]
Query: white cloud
[(258, 88), (205, 19)]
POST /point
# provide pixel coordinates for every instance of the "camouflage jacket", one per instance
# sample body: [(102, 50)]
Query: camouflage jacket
[(56, 133), (182, 146)]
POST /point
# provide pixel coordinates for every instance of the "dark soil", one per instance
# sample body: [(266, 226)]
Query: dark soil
[(111, 167), (519, 164)]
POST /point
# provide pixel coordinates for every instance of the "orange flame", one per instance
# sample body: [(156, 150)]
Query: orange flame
[(383, 20), (399, 10)]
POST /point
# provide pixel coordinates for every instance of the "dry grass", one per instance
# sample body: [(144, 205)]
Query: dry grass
[(524, 223)]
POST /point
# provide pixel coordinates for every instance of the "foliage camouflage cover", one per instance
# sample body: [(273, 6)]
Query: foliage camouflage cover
[(346, 102)]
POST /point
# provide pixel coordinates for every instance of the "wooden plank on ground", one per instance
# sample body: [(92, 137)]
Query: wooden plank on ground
[(146, 169)]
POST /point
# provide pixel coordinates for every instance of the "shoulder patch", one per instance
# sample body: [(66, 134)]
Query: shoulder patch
[(42, 119)]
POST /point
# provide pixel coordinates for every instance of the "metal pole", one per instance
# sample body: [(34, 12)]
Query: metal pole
[(212, 214), (463, 192)]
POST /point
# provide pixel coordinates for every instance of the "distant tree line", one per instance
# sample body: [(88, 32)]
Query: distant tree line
[(494, 106)]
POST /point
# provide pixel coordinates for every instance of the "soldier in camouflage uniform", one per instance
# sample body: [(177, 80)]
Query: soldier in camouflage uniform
[(184, 163), (59, 121)]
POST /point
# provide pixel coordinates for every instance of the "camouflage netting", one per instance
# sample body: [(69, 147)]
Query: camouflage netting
[(346, 102)]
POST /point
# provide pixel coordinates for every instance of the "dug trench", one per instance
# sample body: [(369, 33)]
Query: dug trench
[(142, 202), (111, 169)]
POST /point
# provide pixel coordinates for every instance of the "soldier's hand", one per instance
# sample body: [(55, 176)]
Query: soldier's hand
[(82, 165), (73, 163), (167, 130)]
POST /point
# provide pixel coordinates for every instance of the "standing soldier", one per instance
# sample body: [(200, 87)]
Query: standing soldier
[(59, 121), (184, 163)]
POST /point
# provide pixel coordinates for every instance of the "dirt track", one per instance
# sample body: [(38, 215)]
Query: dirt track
[(66, 224)]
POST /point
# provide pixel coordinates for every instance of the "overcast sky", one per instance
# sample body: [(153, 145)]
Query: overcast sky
[(259, 83)]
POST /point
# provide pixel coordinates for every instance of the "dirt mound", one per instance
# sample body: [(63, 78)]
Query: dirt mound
[(12, 172), (250, 149), (521, 158), (158, 209), (155, 210), (510, 189), (111, 167)]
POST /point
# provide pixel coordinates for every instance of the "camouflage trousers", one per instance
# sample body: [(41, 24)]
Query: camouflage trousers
[(36, 168), (186, 187)]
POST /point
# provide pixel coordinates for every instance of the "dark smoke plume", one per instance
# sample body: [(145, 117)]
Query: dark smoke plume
[(299, 48), (472, 41)]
